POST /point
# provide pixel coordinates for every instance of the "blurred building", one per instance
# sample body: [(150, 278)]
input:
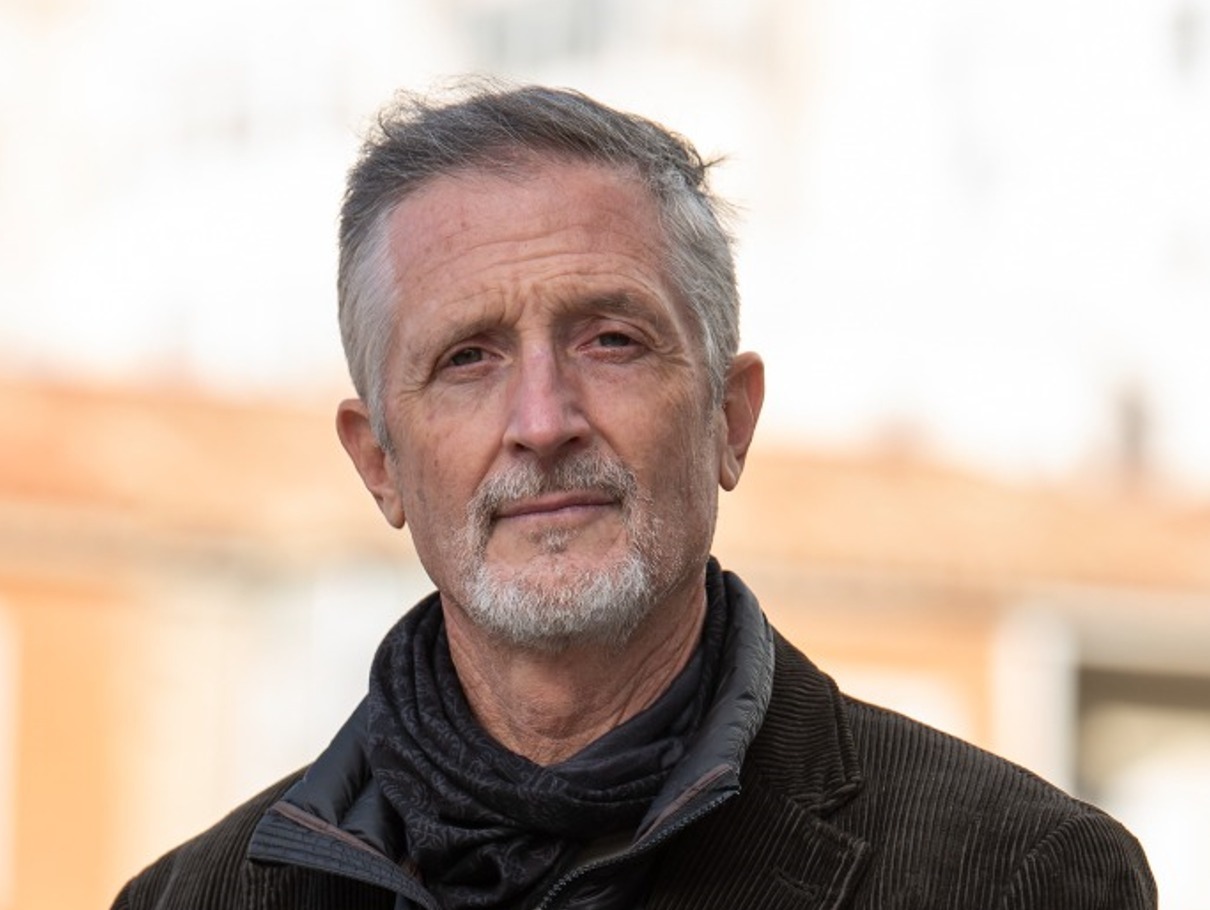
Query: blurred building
[(191, 590)]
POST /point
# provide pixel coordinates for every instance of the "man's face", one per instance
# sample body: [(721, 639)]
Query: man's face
[(556, 449)]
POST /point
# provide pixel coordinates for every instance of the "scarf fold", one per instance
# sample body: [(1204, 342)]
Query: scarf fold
[(487, 827)]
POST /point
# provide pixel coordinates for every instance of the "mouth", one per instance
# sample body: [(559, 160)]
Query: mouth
[(555, 504)]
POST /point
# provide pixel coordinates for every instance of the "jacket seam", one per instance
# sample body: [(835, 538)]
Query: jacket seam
[(1030, 857)]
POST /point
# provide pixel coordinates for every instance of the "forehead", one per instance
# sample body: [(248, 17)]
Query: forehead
[(549, 216)]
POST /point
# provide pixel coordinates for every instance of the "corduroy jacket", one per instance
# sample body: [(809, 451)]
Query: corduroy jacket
[(841, 805)]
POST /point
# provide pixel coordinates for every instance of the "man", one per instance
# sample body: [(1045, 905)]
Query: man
[(539, 310)]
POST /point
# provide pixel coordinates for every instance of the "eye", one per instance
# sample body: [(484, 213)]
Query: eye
[(465, 357), (614, 340)]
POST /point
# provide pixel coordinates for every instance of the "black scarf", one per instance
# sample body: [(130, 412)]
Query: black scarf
[(487, 827)]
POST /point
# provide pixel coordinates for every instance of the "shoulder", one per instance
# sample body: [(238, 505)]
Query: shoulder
[(908, 767), (899, 755), (979, 821), (208, 871), (944, 817)]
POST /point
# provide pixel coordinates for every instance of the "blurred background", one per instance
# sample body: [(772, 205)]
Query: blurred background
[(974, 246)]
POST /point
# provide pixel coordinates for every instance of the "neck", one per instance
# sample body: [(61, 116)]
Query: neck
[(548, 705)]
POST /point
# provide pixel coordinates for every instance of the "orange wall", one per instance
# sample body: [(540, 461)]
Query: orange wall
[(72, 703)]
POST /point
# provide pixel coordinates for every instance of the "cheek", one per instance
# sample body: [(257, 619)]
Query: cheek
[(442, 469), (674, 442)]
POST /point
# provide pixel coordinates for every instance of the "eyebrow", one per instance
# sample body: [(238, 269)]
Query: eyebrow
[(624, 303), (615, 303), (437, 340), (620, 303)]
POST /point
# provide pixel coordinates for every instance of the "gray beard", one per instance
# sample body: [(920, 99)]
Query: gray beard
[(596, 607), (593, 605)]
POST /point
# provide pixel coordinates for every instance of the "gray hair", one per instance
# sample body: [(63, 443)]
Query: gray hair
[(502, 130)]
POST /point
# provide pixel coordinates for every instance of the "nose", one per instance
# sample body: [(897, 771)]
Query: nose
[(545, 414)]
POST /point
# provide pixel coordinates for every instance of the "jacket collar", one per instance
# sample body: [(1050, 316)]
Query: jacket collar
[(336, 819), (711, 767)]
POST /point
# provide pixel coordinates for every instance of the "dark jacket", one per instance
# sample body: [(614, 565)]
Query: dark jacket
[(840, 804)]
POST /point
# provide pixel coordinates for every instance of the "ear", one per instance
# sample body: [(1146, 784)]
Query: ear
[(743, 396), (373, 463)]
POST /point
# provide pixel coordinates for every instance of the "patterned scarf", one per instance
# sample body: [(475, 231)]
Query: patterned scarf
[(487, 827)]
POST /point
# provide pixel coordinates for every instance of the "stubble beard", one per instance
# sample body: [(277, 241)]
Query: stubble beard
[(567, 602)]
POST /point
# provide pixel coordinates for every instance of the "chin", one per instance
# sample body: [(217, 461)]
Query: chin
[(571, 604)]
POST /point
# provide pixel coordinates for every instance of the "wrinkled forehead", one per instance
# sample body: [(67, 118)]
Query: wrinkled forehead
[(474, 219), (517, 168)]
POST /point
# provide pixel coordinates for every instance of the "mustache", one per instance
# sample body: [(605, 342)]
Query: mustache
[(588, 471)]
